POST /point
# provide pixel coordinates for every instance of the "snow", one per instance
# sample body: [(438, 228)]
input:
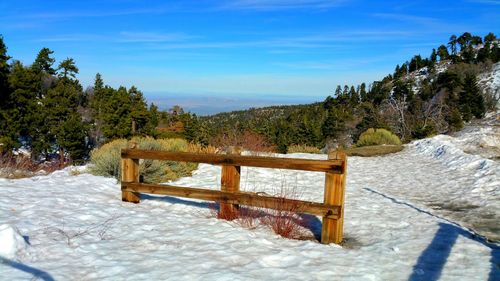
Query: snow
[(12, 241), (419, 214), (490, 81)]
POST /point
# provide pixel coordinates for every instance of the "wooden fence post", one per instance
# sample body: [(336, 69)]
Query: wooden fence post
[(230, 182), (130, 173), (332, 230)]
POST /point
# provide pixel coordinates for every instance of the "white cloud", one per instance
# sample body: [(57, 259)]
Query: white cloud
[(268, 5)]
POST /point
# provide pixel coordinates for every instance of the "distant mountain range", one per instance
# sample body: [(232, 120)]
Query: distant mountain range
[(209, 104)]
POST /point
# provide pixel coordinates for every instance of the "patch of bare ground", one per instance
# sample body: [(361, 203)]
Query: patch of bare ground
[(373, 150)]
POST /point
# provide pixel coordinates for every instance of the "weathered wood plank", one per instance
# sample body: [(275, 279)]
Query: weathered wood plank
[(230, 182), (332, 229), (244, 198), (130, 173), (331, 166)]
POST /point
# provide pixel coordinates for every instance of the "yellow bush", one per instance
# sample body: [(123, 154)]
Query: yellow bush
[(106, 160), (197, 148), (377, 137), (298, 148)]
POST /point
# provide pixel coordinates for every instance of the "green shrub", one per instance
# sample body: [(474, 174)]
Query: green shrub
[(377, 137), (298, 148), (106, 160)]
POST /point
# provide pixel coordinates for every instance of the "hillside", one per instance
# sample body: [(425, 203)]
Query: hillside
[(418, 214)]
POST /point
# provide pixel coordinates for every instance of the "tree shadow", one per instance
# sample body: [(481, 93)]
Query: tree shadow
[(431, 262), (37, 273), (175, 200)]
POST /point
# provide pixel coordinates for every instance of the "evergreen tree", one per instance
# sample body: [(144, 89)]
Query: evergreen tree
[(454, 120), (338, 91), (453, 45), (415, 63), (139, 113), (490, 38), (67, 68), (443, 53), (63, 120), (362, 92), (44, 61), (471, 100), (117, 122), (354, 97), (71, 137), (4, 73), (7, 133), (434, 56)]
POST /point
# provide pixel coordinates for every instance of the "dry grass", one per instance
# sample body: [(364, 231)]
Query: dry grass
[(298, 148), (16, 167), (373, 150), (106, 160), (197, 148)]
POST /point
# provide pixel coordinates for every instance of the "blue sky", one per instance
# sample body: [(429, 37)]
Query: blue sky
[(250, 48)]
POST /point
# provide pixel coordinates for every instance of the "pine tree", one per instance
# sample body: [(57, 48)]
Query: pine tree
[(433, 56), (443, 53), (44, 61), (61, 105), (7, 136), (139, 113), (354, 97), (470, 98), (72, 136), (362, 92), (4, 72), (453, 45), (490, 38)]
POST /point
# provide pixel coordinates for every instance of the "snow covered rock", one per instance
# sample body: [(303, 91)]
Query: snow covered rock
[(11, 241)]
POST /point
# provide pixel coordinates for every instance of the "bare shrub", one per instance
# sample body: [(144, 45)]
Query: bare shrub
[(21, 166), (282, 218), (248, 140), (70, 235)]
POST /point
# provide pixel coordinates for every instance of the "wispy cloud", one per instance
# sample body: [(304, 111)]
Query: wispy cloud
[(490, 2), (71, 38), (268, 5), (279, 44), (405, 17), (131, 36), (423, 24), (91, 13), (121, 37)]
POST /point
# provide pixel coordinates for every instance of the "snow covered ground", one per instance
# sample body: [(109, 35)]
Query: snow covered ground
[(415, 215), (490, 81)]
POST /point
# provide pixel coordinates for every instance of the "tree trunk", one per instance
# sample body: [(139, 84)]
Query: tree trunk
[(61, 157)]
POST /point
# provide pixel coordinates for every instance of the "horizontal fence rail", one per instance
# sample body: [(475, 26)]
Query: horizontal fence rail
[(243, 198), (333, 166), (230, 196)]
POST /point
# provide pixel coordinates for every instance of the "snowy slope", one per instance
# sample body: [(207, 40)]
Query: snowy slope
[(406, 218), (490, 81)]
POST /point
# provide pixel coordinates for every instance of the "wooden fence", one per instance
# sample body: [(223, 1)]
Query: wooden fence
[(230, 196)]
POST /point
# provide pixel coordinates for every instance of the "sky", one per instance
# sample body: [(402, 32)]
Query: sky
[(248, 49)]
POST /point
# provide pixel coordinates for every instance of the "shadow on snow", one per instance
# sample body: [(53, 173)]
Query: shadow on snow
[(431, 262), (37, 273)]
